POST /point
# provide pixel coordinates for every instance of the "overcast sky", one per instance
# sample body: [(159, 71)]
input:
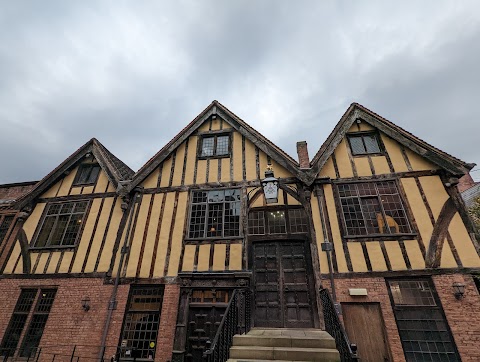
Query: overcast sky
[(133, 74)]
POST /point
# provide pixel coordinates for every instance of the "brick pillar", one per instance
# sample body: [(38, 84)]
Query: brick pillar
[(168, 321), (302, 152)]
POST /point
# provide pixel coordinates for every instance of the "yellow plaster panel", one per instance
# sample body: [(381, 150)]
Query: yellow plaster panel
[(203, 257), (237, 157), (356, 255), (179, 158), (136, 243), (13, 259), (337, 238), (319, 234), (216, 124), (343, 161), (87, 190), (393, 149), (151, 235), (191, 157), (292, 201), (52, 191), (419, 163), (435, 192), (41, 263), (177, 237), (419, 211), (53, 262), (19, 268), (262, 157), (279, 170), (447, 259), (219, 255), (250, 160), (236, 257), (414, 254), (395, 255), (76, 190), (66, 261), (188, 258), (380, 165), (99, 233), (364, 126), (166, 170), (31, 223), (86, 235), (225, 176), (204, 127), (376, 256), (259, 201), (67, 182), (151, 181), (202, 171), (213, 170), (362, 166), (102, 182), (33, 259), (105, 258), (463, 243), (111, 188), (226, 125), (328, 169), (164, 235)]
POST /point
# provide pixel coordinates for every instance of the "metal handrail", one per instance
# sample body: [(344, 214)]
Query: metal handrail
[(333, 325)]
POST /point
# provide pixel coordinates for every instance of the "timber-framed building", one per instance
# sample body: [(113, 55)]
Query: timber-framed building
[(98, 261)]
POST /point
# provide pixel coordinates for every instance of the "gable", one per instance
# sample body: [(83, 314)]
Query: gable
[(185, 165)]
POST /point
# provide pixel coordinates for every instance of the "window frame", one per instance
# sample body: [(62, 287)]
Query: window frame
[(77, 182), (34, 247), (288, 224), (374, 236), (205, 237), (214, 135), (362, 134)]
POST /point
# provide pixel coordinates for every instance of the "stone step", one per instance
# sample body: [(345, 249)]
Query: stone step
[(323, 340), (247, 353)]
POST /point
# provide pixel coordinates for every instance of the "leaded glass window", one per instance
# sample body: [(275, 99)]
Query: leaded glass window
[(215, 146), (364, 143)]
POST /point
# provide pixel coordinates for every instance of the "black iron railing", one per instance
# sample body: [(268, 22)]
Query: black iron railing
[(348, 351), (236, 320)]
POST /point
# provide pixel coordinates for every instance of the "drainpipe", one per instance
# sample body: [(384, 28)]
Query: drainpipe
[(112, 304), (327, 246)]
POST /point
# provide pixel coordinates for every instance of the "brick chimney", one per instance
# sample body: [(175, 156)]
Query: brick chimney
[(302, 152)]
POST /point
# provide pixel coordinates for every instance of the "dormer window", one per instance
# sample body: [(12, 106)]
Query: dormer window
[(364, 143), (215, 146), (87, 174)]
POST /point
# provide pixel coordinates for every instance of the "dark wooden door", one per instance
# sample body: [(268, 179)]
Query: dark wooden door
[(282, 285), (364, 327)]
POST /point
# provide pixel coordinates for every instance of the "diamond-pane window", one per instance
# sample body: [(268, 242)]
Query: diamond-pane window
[(215, 146), (372, 208)]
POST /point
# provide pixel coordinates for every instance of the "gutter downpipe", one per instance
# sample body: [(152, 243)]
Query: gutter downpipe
[(326, 245), (112, 304)]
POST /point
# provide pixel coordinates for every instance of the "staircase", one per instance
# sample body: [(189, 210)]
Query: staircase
[(281, 344)]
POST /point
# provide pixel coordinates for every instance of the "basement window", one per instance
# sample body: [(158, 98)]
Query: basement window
[(364, 143)]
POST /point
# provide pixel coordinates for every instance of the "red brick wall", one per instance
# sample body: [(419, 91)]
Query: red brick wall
[(377, 292), (463, 315), (168, 320), (69, 325)]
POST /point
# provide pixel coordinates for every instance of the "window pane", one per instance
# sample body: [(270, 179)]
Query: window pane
[(197, 220), (7, 221), (207, 146), (373, 216), (216, 196), (232, 219), (94, 171), (215, 220), (73, 229), (276, 222), (56, 238), (371, 143), (45, 231), (298, 221), (256, 223), (222, 145), (357, 145), (412, 293), (353, 217)]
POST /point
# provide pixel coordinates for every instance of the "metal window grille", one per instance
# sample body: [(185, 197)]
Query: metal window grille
[(372, 208), (142, 319), (215, 213), (87, 174), (216, 145), (4, 226), (61, 225), (421, 324), (364, 144)]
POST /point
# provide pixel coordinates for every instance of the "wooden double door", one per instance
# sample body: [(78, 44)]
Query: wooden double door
[(283, 280)]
